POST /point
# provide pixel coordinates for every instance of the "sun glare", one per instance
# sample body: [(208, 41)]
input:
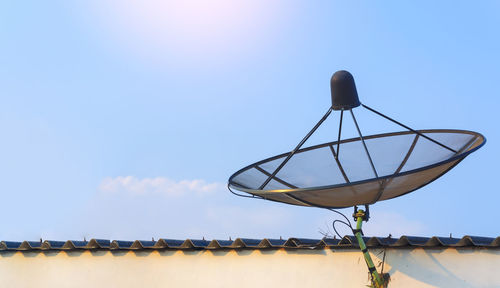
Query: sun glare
[(190, 28)]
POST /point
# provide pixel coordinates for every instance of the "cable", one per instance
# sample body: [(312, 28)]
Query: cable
[(241, 195), (348, 223), (335, 229)]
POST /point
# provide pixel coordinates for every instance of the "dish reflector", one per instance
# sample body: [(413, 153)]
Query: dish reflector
[(314, 176), (357, 171)]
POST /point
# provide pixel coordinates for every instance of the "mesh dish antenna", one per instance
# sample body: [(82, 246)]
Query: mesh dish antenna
[(355, 171)]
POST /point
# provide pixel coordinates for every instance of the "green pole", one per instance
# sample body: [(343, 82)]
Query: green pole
[(377, 281)]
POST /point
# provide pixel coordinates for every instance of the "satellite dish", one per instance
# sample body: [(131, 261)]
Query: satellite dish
[(356, 171)]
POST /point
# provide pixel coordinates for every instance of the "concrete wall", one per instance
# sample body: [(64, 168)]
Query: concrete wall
[(248, 268)]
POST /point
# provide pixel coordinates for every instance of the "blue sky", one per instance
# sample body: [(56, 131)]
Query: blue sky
[(124, 119)]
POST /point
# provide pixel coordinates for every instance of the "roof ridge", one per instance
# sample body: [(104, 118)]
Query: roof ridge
[(347, 241)]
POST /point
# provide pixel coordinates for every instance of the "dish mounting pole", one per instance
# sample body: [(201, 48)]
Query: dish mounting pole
[(378, 281)]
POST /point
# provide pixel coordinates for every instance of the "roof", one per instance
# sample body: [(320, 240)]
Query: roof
[(244, 243)]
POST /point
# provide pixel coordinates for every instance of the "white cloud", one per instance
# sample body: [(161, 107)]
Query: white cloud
[(140, 208), (159, 185)]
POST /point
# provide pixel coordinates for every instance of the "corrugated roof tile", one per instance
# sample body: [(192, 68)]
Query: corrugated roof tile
[(411, 241), (121, 244), (442, 241), (481, 241), (143, 244), (50, 244), (218, 244), (350, 240), (194, 244), (496, 242), (347, 241), (30, 245), (9, 245), (169, 243), (330, 241), (75, 244), (381, 241), (272, 243), (307, 242), (245, 243), (99, 244)]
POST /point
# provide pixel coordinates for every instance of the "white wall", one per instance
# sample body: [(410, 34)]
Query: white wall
[(248, 268)]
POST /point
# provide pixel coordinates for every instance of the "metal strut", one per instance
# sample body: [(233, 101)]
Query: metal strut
[(412, 130), (378, 281), (296, 148), (364, 144), (340, 132)]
